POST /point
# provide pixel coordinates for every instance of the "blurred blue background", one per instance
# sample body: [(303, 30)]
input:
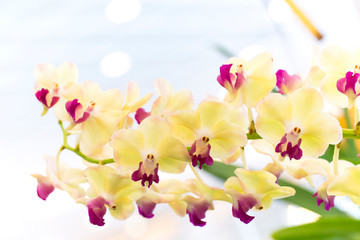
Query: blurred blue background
[(114, 42)]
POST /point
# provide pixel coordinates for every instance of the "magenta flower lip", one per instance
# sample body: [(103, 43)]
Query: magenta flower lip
[(203, 158), (241, 206), (41, 96), (141, 114), (328, 201), (289, 147), (44, 190), (196, 210), (349, 83), (72, 107), (146, 208), (140, 174), (97, 210)]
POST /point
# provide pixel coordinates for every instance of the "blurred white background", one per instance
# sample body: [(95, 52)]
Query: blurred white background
[(114, 42)]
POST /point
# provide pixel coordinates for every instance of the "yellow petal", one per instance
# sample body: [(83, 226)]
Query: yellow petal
[(260, 79), (154, 130), (163, 87), (97, 130), (173, 155), (124, 209), (68, 74), (127, 145), (335, 59), (184, 124), (45, 75), (331, 93), (347, 185), (323, 127), (305, 102), (273, 112), (132, 93), (211, 112)]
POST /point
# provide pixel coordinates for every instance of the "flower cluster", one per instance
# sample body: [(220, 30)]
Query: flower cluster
[(126, 147)]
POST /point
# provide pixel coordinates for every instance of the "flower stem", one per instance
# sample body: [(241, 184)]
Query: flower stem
[(336, 158), (243, 159), (77, 150), (196, 174), (251, 121)]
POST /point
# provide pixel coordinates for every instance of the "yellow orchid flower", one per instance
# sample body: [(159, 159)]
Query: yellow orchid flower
[(253, 189), (168, 101), (61, 176), (296, 124), (108, 187), (52, 84), (196, 207), (95, 114), (132, 104), (347, 184), (212, 131), (340, 86), (150, 147), (247, 82)]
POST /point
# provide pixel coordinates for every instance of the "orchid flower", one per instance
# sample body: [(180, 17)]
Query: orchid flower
[(148, 149), (211, 131), (296, 124), (59, 175), (168, 101), (247, 82), (196, 207), (251, 189), (347, 184), (340, 85), (109, 189), (95, 114), (133, 102), (53, 83)]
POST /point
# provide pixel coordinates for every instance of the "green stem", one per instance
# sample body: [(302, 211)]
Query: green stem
[(336, 158), (77, 150), (356, 117), (89, 159)]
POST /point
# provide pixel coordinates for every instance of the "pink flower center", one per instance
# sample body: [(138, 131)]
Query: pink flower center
[(290, 144)]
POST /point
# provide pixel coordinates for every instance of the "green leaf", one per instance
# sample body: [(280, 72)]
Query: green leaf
[(302, 198), (328, 155), (224, 51), (343, 228)]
